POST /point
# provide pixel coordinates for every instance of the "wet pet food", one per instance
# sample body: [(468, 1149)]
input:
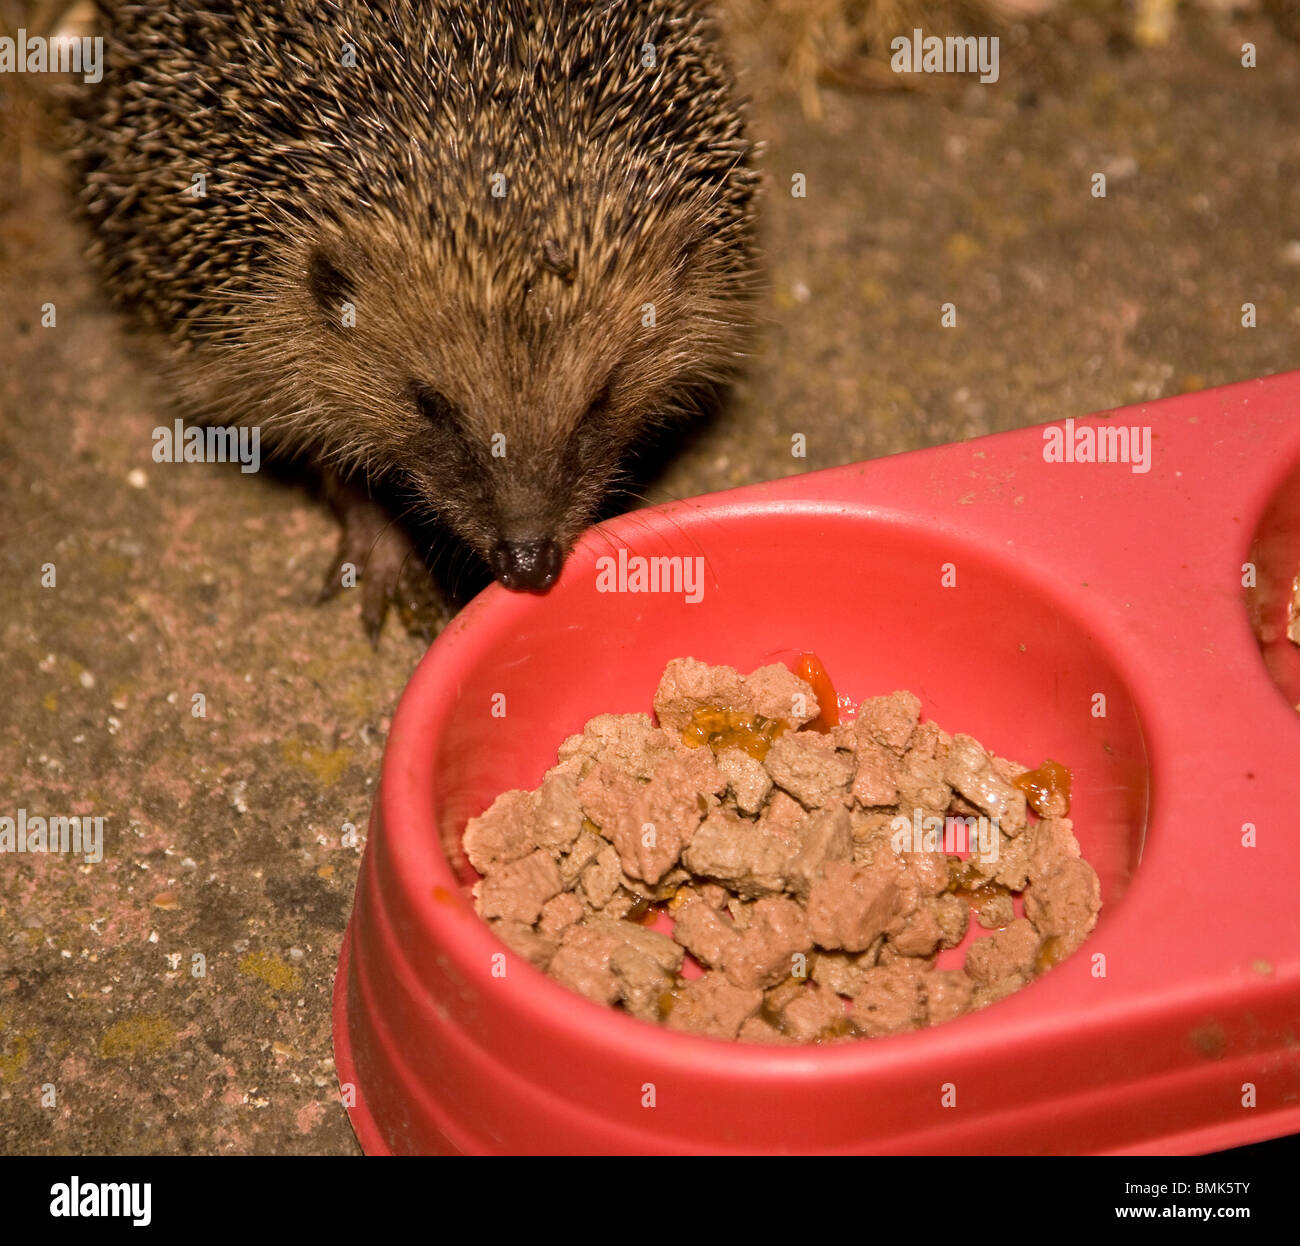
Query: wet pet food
[(753, 867)]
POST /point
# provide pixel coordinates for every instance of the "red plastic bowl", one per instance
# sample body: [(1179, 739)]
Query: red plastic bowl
[(1074, 582)]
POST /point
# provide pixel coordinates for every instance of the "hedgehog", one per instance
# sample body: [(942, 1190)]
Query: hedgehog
[(464, 255)]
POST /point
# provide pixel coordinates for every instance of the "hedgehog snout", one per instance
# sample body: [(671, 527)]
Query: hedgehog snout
[(532, 565)]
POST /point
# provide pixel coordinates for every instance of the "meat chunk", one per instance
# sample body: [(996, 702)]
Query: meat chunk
[(821, 837), (504, 831), (582, 961), (747, 779), (618, 906), (1012, 869), (841, 972), (890, 999), (873, 833), (688, 685), (1006, 769), (844, 736), (1053, 844), (810, 768), (740, 910), (1064, 904), (888, 721), (741, 854), (929, 742), (713, 894), (763, 953), (1006, 863), (628, 743), (557, 817), (850, 905), (970, 771), (1009, 953), (773, 691), (667, 887), (516, 891), (609, 961), (558, 914), (928, 871), (948, 994), (582, 852), (782, 815), (644, 966), (875, 781), (954, 918), (994, 908), (777, 692), (813, 1013), (758, 1029), (703, 932), (602, 878), (649, 823), (525, 942), (699, 771), (921, 785), (890, 959), (712, 1005), (921, 935)]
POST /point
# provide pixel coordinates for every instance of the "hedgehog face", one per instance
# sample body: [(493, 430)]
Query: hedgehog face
[(506, 392), (517, 481)]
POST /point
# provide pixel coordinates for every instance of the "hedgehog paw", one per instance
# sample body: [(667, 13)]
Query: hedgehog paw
[(376, 556)]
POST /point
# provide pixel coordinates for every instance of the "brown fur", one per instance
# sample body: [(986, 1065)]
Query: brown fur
[(475, 315)]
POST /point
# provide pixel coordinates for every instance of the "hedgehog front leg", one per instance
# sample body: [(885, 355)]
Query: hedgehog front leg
[(377, 556)]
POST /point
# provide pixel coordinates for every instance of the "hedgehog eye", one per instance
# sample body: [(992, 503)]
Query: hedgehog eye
[(434, 407), (328, 283), (593, 425), (601, 398), (598, 404)]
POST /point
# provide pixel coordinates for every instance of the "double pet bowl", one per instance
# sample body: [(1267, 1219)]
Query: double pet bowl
[(1128, 623)]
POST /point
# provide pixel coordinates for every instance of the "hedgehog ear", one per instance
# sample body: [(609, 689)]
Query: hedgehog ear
[(556, 260), (328, 283)]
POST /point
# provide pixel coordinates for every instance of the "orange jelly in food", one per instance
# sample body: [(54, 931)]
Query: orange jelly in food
[(1047, 789), (811, 671), (742, 729)]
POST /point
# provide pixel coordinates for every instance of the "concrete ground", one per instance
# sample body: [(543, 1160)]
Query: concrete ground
[(224, 832)]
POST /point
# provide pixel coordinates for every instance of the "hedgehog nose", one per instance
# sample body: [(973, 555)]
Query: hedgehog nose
[(526, 564)]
